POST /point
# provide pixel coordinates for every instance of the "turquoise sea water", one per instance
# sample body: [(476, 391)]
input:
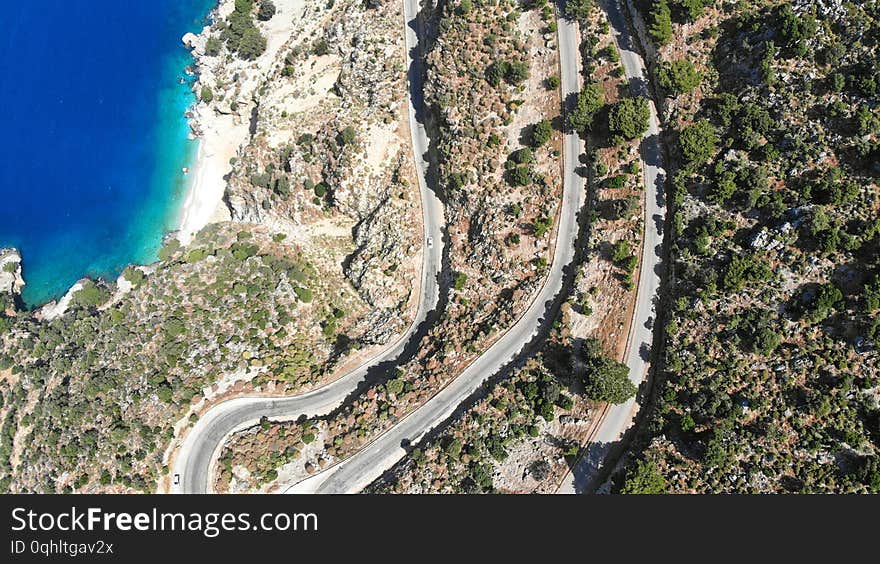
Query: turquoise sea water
[(94, 135)]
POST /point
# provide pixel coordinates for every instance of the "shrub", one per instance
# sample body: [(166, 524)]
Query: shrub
[(206, 95), (553, 82), (522, 156), (621, 251), (165, 392), (320, 47), (542, 225), (347, 135), (212, 47), (453, 449), (459, 281), (266, 11), (303, 293)]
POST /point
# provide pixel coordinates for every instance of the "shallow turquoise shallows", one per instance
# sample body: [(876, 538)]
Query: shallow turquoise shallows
[(94, 137)]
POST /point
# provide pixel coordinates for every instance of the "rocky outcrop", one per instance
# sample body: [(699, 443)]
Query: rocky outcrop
[(328, 154), (11, 281), (55, 309)]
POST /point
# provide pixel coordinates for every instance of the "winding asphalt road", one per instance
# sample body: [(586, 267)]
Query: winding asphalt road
[(359, 470), (356, 472), (637, 356), (202, 445)]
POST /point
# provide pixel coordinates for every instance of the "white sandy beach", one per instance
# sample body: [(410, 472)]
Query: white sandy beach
[(222, 134), (219, 143)]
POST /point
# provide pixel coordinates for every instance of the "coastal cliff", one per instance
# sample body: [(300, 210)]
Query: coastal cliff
[(295, 259), (316, 124)]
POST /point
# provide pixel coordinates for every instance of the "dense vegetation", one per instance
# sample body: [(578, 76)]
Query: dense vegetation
[(769, 379), (91, 396), (240, 32)]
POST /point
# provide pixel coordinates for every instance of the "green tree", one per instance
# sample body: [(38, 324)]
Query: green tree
[(698, 142), (724, 189), (826, 300), (241, 34), (542, 225), (517, 72), (252, 44), (578, 10), (496, 71), (872, 294), (745, 269), (660, 28), (623, 207), (629, 118), (645, 478), (541, 133), (589, 102), (519, 176), (90, 295), (395, 386), (796, 29), (606, 380), (522, 156), (206, 95), (692, 8), (678, 77)]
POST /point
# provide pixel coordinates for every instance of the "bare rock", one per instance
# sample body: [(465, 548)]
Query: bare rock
[(11, 281)]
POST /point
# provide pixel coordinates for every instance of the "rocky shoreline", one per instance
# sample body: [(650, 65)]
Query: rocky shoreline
[(11, 280)]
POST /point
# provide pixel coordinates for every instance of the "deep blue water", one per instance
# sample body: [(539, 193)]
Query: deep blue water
[(92, 134)]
